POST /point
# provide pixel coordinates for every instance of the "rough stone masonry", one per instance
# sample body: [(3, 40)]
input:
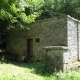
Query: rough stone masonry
[(59, 37)]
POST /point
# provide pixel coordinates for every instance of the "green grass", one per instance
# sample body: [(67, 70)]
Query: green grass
[(33, 71)]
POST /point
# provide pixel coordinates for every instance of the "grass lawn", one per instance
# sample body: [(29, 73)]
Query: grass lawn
[(33, 71)]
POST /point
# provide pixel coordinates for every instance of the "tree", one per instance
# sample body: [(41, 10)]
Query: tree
[(53, 8), (17, 13), (13, 11), (70, 7), (47, 9)]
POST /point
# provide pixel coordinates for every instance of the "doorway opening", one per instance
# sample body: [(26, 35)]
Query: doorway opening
[(29, 49)]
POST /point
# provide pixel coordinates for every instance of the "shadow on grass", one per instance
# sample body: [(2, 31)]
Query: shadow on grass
[(40, 68), (36, 67)]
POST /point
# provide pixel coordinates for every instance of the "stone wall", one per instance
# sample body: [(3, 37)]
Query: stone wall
[(56, 57), (72, 37), (15, 41), (79, 39), (50, 32)]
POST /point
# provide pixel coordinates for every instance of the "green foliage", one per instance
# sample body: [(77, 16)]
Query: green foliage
[(26, 11), (70, 7), (47, 9), (34, 7), (27, 19), (14, 12), (53, 8)]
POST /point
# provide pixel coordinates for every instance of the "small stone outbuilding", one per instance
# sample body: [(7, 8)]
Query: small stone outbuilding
[(58, 38)]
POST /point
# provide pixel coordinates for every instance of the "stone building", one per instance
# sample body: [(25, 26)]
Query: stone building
[(57, 37)]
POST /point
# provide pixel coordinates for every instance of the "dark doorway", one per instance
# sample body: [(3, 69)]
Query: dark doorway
[(29, 49)]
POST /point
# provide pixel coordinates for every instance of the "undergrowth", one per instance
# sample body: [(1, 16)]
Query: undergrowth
[(33, 71)]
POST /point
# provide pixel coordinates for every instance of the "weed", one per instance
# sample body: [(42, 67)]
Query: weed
[(33, 71)]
